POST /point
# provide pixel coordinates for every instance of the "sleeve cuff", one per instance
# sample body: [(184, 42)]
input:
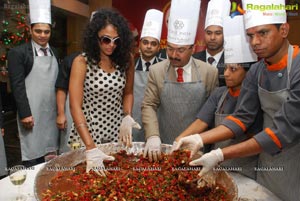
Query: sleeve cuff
[(267, 144), (236, 129)]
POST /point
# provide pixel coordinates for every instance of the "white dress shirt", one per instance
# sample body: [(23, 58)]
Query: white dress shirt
[(144, 63), (187, 72), (39, 51), (217, 57)]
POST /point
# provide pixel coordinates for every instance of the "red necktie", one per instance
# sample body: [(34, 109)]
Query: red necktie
[(179, 75)]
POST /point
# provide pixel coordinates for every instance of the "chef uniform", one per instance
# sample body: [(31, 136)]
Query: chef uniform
[(152, 27), (235, 43), (175, 104), (277, 95), (40, 92)]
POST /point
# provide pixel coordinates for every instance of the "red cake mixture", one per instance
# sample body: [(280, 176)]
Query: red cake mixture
[(133, 177)]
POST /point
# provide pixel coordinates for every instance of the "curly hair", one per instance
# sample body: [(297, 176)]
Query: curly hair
[(100, 19)]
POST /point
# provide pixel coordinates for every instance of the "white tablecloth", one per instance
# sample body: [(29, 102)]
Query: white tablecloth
[(248, 189), (9, 191)]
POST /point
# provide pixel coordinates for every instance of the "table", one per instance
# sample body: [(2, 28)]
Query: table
[(9, 191), (248, 189)]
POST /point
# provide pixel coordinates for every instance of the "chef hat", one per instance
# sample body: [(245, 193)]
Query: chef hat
[(152, 24), (183, 21), (236, 44), (216, 11), (260, 12), (40, 11)]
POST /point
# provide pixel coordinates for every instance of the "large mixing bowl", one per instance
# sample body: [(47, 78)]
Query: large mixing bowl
[(72, 158)]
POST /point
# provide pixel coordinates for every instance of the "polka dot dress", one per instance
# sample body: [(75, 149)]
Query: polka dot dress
[(102, 105)]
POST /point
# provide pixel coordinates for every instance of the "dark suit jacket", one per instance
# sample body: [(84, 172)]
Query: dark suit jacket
[(139, 65), (1, 115), (162, 54), (202, 56), (63, 76), (20, 62)]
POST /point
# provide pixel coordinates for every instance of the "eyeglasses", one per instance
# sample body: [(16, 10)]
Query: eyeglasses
[(152, 43), (108, 40), (179, 50)]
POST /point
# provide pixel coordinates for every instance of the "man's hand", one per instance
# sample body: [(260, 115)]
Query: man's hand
[(192, 142), (208, 161), (28, 122), (153, 148), (61, 121), (125, 135), (94, 161)]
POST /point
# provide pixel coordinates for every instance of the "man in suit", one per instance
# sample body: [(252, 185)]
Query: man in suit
[(178, 86), (33, 69), (149, 47), (64, 118), (213, 38)]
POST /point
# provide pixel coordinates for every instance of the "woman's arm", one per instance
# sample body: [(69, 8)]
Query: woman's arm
[(76, 85), (128, 91)]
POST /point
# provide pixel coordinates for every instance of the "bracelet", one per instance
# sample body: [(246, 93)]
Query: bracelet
[(126, 113), (81, 125)]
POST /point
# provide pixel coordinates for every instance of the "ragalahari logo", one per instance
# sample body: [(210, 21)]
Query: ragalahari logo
[(262, 8), (236, 9)]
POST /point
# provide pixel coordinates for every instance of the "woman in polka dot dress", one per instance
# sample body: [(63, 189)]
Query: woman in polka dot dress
[(101, 85)]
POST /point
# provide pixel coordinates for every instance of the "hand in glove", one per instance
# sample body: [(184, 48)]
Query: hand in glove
[(208, 161), (94, 160), (191, 142), (125, 134), (174, 146), (152, 148)]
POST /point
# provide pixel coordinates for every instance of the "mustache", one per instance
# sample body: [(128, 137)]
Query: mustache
[(174, 59)]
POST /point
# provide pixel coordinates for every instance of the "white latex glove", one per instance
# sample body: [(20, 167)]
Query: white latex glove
[(153, 148), (174, 146), (94, 161), (192, 142), (125, 134), (208, 161)]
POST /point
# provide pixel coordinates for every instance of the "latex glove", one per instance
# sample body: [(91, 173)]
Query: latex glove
[(174, 146), (153, 148), (208, 161), (125, 134), (94, 160), (192, 142)]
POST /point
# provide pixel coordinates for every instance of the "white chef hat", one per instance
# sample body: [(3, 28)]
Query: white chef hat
[(237, 48), (216, 11), (152, 24), (40, 11), (260, 12), (183, 21)]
